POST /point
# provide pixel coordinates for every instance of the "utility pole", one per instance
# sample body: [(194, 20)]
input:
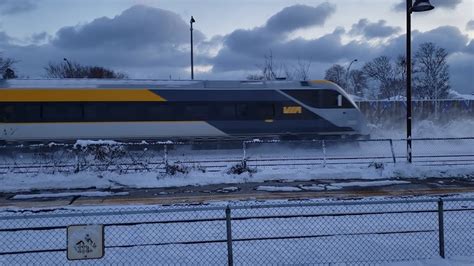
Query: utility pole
[(192, 58)]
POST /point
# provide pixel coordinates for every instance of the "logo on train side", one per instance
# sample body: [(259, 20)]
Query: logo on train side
[(292, 110)]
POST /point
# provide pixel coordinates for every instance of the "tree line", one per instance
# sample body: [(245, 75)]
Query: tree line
[(385, 78), (381, 78), (65, 69)]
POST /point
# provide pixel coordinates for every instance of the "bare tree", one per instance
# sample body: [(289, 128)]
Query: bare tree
[(6, 67), (274, 70), (75, 70), (302, 69), (9, 74), (271, 70), (431, 72), (357, 82), (387, 75), (289, 74), (337, 74)]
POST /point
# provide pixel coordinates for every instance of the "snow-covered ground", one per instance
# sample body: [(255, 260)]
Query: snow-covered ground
[(278, 232), (69, 194)]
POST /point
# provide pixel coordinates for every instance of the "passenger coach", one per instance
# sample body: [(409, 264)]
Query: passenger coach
[(70, 109)]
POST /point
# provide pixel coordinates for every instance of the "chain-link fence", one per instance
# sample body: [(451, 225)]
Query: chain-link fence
[(231, 156), (352, 232)]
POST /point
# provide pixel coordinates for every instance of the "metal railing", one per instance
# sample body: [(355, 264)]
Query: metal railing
[(352, 232), (170, 158)]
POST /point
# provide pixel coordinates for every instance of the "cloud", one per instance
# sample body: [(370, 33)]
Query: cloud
[(470, 47), (40, 37), (143, 41), (328, 49), (438, 4), (137, 27), (9, 7), (243, 48), (470, 25), (460, 70), (299, 16), (373, 30), (4, 38), (447, 37)]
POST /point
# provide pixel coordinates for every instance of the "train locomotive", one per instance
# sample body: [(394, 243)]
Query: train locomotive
[(72, 109)]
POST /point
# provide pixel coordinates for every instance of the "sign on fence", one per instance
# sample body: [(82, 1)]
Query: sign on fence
[(85, 242)]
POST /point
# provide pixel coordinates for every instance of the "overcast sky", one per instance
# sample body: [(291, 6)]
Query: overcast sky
[(150, 38)]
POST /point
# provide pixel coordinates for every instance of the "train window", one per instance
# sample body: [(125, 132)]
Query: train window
[(20, 112), (120, 112), (255, 111), (92, 112), (224, 111), (161, 112), (321, 98), (326, 98), (197, 111), (242, 111), (130, 112), (62, 112), (265, 111)]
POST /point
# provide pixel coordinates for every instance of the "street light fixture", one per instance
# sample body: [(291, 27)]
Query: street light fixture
[(418, 6), (192, 59)]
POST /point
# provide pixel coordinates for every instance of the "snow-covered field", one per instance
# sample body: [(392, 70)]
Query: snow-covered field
[(308, 232)]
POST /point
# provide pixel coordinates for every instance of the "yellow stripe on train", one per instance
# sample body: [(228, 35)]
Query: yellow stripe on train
[(79, 95)]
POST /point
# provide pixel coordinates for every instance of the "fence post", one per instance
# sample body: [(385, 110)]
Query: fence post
[(165, 158), (441, 227), (393, 152), (244, 158), (230, 256), (324, 153), (76, 161)]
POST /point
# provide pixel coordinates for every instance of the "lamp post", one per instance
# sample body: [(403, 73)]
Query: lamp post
[(348, 69), (418, 6), (192, 59)]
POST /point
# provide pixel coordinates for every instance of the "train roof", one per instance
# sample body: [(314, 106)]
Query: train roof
[(160, 84), (150, 84), (154, 84)]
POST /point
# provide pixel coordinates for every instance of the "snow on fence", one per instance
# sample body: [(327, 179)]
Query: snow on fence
[(352, 232), (234, 157)]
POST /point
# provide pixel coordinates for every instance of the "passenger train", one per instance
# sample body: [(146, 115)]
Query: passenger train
[(71, 109)]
